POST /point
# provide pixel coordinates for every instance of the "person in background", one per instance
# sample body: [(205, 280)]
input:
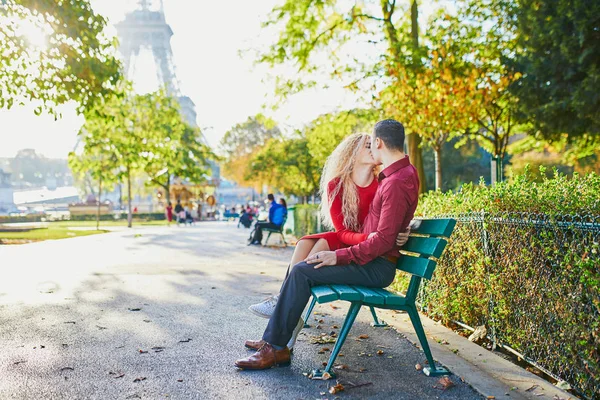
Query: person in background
[(276, 214), (169, 213), (283, 203)]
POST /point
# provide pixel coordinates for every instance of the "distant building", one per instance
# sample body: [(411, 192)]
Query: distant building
[(6, 194)]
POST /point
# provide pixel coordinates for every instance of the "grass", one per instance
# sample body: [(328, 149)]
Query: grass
[(60, 230), (51, 233)]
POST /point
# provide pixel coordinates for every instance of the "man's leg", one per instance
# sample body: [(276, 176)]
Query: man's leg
[(296, 291)]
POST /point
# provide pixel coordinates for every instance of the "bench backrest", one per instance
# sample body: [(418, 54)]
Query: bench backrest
[(425, 245)]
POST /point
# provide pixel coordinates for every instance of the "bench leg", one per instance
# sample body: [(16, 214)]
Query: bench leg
[(283, 238), (432, 370), (376, 321), (352, 313), (268, 236), (310, 308)]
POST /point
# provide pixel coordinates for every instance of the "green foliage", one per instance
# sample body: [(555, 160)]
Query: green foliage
[(555, 195), (328, 130), (306, 219), (523, 261), (76, 62), (287, 165), (559, 57)]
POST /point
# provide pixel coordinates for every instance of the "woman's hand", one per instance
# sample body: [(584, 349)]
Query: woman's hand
[(322, 259), (402, 238)]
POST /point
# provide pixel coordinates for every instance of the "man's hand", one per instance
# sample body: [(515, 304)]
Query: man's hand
[(402, 238), (322, 259)]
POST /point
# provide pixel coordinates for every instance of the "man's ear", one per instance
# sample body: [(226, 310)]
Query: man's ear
[(378, 143)]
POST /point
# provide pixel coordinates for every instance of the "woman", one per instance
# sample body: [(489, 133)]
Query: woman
[(348, 186)]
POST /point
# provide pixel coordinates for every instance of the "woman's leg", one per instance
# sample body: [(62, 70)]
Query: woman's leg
[(302, 250)]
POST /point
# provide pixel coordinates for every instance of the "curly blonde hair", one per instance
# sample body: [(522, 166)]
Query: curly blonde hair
[(340, 164)]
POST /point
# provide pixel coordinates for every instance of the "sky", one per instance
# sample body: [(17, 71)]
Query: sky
[(224, 84)]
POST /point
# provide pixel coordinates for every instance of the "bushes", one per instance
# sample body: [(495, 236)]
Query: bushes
[(306, 219), (523, 260)]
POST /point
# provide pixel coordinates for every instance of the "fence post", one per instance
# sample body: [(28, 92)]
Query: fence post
[(487, 252)]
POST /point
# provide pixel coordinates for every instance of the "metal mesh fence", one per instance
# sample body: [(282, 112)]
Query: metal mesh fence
[(534, 281)]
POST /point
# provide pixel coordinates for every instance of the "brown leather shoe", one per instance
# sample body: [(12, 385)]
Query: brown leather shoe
[(265, 357), (254, 344)]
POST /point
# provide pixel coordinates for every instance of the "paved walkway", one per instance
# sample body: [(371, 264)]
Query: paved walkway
[(160, 312)]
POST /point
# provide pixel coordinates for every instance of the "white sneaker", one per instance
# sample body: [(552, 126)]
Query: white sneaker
[(297, 330), (266, 308)]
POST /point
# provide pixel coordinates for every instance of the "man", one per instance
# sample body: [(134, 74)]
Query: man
[(276, 215), (370, 263)]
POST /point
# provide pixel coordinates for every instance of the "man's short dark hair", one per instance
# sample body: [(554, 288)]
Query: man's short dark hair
[(391, 132), (271, 197)]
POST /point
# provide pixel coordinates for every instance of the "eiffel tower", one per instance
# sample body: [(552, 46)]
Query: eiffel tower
[(147, 28)]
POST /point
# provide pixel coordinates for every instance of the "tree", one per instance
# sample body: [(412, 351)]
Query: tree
[(559, 59), (171, 147), (313, 30), (113, 128), (287, 165), (241, 142), (97, 165), (328, 130), (52, 52)]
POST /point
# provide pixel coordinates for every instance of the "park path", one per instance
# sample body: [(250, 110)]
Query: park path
[(160, 313)]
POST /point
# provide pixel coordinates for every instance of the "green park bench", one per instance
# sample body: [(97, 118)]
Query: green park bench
[(279, 231), (419, 257)]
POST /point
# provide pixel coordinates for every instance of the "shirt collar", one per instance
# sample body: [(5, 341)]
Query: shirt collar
[(398, 165)]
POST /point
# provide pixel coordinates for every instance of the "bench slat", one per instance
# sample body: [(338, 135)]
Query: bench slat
[(347, 293), (425, 246), (419, 266), (370, 296), (436, 227), (324, 294), (391, 299)]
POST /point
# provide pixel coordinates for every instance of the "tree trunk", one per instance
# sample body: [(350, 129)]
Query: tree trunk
[(438, 168), (99, 202), (129, 214)]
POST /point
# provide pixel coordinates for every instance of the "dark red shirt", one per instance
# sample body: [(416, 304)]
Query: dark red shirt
[(390, 213)]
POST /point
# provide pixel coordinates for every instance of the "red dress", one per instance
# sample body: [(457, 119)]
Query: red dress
[(342, 237)]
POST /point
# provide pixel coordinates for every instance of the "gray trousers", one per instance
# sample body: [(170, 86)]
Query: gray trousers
[(295, 291)]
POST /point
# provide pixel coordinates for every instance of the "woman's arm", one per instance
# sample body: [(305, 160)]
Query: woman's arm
[(344, 235)]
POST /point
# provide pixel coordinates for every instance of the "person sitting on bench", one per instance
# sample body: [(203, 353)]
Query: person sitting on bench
[(276, 215)]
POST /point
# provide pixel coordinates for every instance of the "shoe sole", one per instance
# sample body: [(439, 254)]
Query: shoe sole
[(283, 364), (259, 314)]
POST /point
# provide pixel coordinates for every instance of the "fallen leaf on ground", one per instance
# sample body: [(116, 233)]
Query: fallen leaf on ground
[(325, 349), (446, 382), (142, 378), (117, 375), (67, 369), (69, 322), (341, 355), (336, 389), (321, 339), (334, 307), (101, 327), (340, 366), (379, 352), (335, 327), (158, 349), (134, 309), (147, 320), (179, 380), (491, 397), (321, 321), (362, 369), (185, 340), (143, 351), (531, 389), (19, 362), (363, 336), (418, 367)]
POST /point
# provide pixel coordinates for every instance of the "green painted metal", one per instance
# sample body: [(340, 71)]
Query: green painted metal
[(419, 267), (376, 323), (432, 370), (436, 227), (324, 294), (426, 247), (390, 298), (279, 231), (422, 267), (350, 317), (347, 293), (369, 295), (309, 311)]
